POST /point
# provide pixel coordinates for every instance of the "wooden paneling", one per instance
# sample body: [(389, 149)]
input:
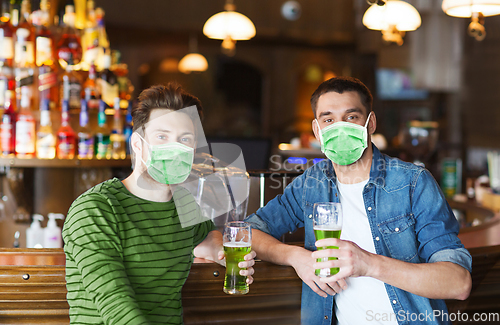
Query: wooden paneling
[(33, 295), (485, 294), (274, 297)]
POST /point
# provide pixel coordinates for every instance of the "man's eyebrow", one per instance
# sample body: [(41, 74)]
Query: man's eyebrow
[(354, 110), (325, 113), (169, 131), (350, 110), (161, 130)]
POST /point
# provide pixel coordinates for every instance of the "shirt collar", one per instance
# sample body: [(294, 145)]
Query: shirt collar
[(377, 169)]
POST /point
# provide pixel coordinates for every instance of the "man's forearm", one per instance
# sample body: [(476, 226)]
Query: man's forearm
[(210, 247), (439, 280), (272, 250)]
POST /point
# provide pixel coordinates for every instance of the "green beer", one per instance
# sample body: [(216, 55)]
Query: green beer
[(234, 283), (322, 232)]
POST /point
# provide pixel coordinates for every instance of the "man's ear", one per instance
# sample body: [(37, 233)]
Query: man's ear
[(316, 129), (135, 143), (372, 124)]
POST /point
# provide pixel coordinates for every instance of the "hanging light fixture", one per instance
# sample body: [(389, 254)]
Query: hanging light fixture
[(229, 26), (394, 19), (193, 61), (476, 10)]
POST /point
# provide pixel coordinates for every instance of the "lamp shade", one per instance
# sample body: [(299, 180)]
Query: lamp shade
[(229, 24), (395, 13), (465, 8), (193, 62)]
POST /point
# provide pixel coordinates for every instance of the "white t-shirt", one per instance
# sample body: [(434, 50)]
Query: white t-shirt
[(365, 301)]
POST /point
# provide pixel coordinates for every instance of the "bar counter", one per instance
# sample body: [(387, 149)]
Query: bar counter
[(33, 291), (32, 286)]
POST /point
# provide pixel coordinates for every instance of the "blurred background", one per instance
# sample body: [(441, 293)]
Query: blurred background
[(438, 74)]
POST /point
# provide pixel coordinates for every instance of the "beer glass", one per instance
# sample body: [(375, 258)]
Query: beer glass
[(327, 223), (237, 241)]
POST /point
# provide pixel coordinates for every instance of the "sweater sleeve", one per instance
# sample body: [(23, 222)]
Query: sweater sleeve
[(93, 246)]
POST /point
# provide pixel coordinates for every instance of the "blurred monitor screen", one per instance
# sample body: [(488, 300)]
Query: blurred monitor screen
[(397, 84), (256, 151)]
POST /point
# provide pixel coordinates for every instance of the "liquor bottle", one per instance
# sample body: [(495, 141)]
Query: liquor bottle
[(71, 85), (25, 37), (8, 125), (85, 138), (45, 56), (65, 135), (24, 53), (70, 44), (7, 82), (101, 141), (90, 39), (45, 139), (103, 38), (117, 138), (127, 130), (7, 33), (107, 82), (121, 71), (90, 89), (15, 12), (25, 128)]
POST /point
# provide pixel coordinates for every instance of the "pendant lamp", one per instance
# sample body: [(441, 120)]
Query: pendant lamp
[(193, 61), (229, 26), (393, 18), (476, 10), (465, 8)]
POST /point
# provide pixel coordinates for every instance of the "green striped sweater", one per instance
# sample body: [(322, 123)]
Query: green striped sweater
[(127, 258)]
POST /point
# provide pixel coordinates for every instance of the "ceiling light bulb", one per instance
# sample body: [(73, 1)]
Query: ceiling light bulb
[(228, 46), (476, 27), (393, 36)]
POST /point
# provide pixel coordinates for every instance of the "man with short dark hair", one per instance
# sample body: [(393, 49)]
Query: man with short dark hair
[(129, 244), (398, 254)]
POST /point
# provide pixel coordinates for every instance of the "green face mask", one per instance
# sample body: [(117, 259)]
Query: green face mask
[(169, 163), (343, 142)]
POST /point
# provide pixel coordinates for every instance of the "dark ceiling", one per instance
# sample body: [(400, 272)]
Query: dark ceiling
[(321, 22)]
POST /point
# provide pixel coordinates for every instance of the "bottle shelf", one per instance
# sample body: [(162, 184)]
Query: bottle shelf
[(64, 163)]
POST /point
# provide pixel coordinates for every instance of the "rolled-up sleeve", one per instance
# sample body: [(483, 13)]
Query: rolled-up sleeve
[(460, 256), (257, 223), (282, 214)]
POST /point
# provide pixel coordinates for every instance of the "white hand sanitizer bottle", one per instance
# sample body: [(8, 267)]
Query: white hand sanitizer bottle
[(52, 233), (34, 234)]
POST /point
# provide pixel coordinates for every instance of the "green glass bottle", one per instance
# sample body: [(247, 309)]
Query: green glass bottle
[(102, 146)]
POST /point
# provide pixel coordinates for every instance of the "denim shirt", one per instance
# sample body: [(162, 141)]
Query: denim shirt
[(409, 219)]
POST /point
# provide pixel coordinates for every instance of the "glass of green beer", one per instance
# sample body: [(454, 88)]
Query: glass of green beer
[(327, 223), (237, 241)]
